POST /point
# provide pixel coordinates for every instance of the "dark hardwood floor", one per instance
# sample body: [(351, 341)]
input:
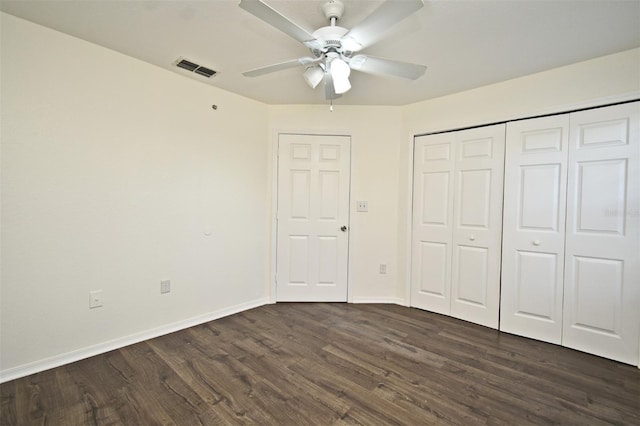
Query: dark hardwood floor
[(331, 364)]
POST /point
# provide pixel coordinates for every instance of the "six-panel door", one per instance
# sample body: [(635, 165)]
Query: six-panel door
[(432, 222), (477, 225), (533, 227), (313, 213), (602, 261), (457, 222)]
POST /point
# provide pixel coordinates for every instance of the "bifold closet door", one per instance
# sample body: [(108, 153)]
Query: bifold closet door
[(432, 222), (602, 261), (534, 227), (457, 223), (477, 225)]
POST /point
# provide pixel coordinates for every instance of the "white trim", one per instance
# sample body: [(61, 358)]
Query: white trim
[(409, 228), (525, 115), (100, 348), (274, 216), (591, 103), (350, 214), (385, 300)]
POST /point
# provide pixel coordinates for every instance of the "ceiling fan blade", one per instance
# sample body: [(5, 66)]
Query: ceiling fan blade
[(274, 18), (380, 66), (277, 67), (384, 17)]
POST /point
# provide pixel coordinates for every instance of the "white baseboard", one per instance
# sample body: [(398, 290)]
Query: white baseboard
[(69, 357), (77, 355), (387, 300)]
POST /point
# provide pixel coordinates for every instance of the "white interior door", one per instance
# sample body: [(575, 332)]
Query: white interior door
[(534, 227), (477, 225), (602, 266), (457, 222), (432, 222), (313, 213)]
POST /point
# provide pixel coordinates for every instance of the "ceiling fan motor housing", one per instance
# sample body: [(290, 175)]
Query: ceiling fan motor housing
[(330, 37)]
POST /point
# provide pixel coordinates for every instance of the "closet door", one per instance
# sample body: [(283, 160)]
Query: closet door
[(457, 222), (477, 225), (534, 227), (432, 230), (602, 264)]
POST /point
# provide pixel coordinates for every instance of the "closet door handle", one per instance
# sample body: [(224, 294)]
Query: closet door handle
[(536, 242), (472, 237)]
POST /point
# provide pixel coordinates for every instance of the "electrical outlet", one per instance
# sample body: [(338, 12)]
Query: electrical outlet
[(362, 206), (383, 268), (165, 286), (95, 299)]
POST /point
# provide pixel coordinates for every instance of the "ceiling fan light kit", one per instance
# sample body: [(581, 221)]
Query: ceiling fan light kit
[(333, 47), (340, 72), (313, 75)]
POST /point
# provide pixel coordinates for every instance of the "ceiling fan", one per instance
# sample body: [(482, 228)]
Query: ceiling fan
[(334, 48)]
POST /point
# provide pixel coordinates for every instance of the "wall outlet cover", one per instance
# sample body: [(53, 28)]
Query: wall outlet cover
[(165, 286)]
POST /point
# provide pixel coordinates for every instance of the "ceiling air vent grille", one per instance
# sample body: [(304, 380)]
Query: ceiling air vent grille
[(205, 71), (193, 67)]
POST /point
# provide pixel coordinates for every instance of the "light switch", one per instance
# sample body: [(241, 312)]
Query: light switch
[(362, 206)]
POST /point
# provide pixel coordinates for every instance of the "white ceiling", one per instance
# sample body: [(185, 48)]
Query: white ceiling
[(464, 43)]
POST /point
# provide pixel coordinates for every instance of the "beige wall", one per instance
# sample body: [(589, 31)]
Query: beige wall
[(117, 174), (112, 172)]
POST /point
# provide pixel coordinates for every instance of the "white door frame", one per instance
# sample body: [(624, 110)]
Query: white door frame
[(273, 175)]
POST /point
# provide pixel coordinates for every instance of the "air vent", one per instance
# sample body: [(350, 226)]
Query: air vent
[(187, 65), (205, 71), (193, 67)]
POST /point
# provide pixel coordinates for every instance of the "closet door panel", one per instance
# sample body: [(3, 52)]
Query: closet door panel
[(471, 274), (434, 274), (540, 186), (477, 225), (533, 233), (432, 227), (602, 273), (601, 194), (536, 284)]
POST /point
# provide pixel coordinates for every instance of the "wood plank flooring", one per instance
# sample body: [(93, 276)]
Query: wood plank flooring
[(331, 364)]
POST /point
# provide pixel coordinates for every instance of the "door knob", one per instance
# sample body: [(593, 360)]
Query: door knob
[(344, 228), (472, 237), (536, 242)]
